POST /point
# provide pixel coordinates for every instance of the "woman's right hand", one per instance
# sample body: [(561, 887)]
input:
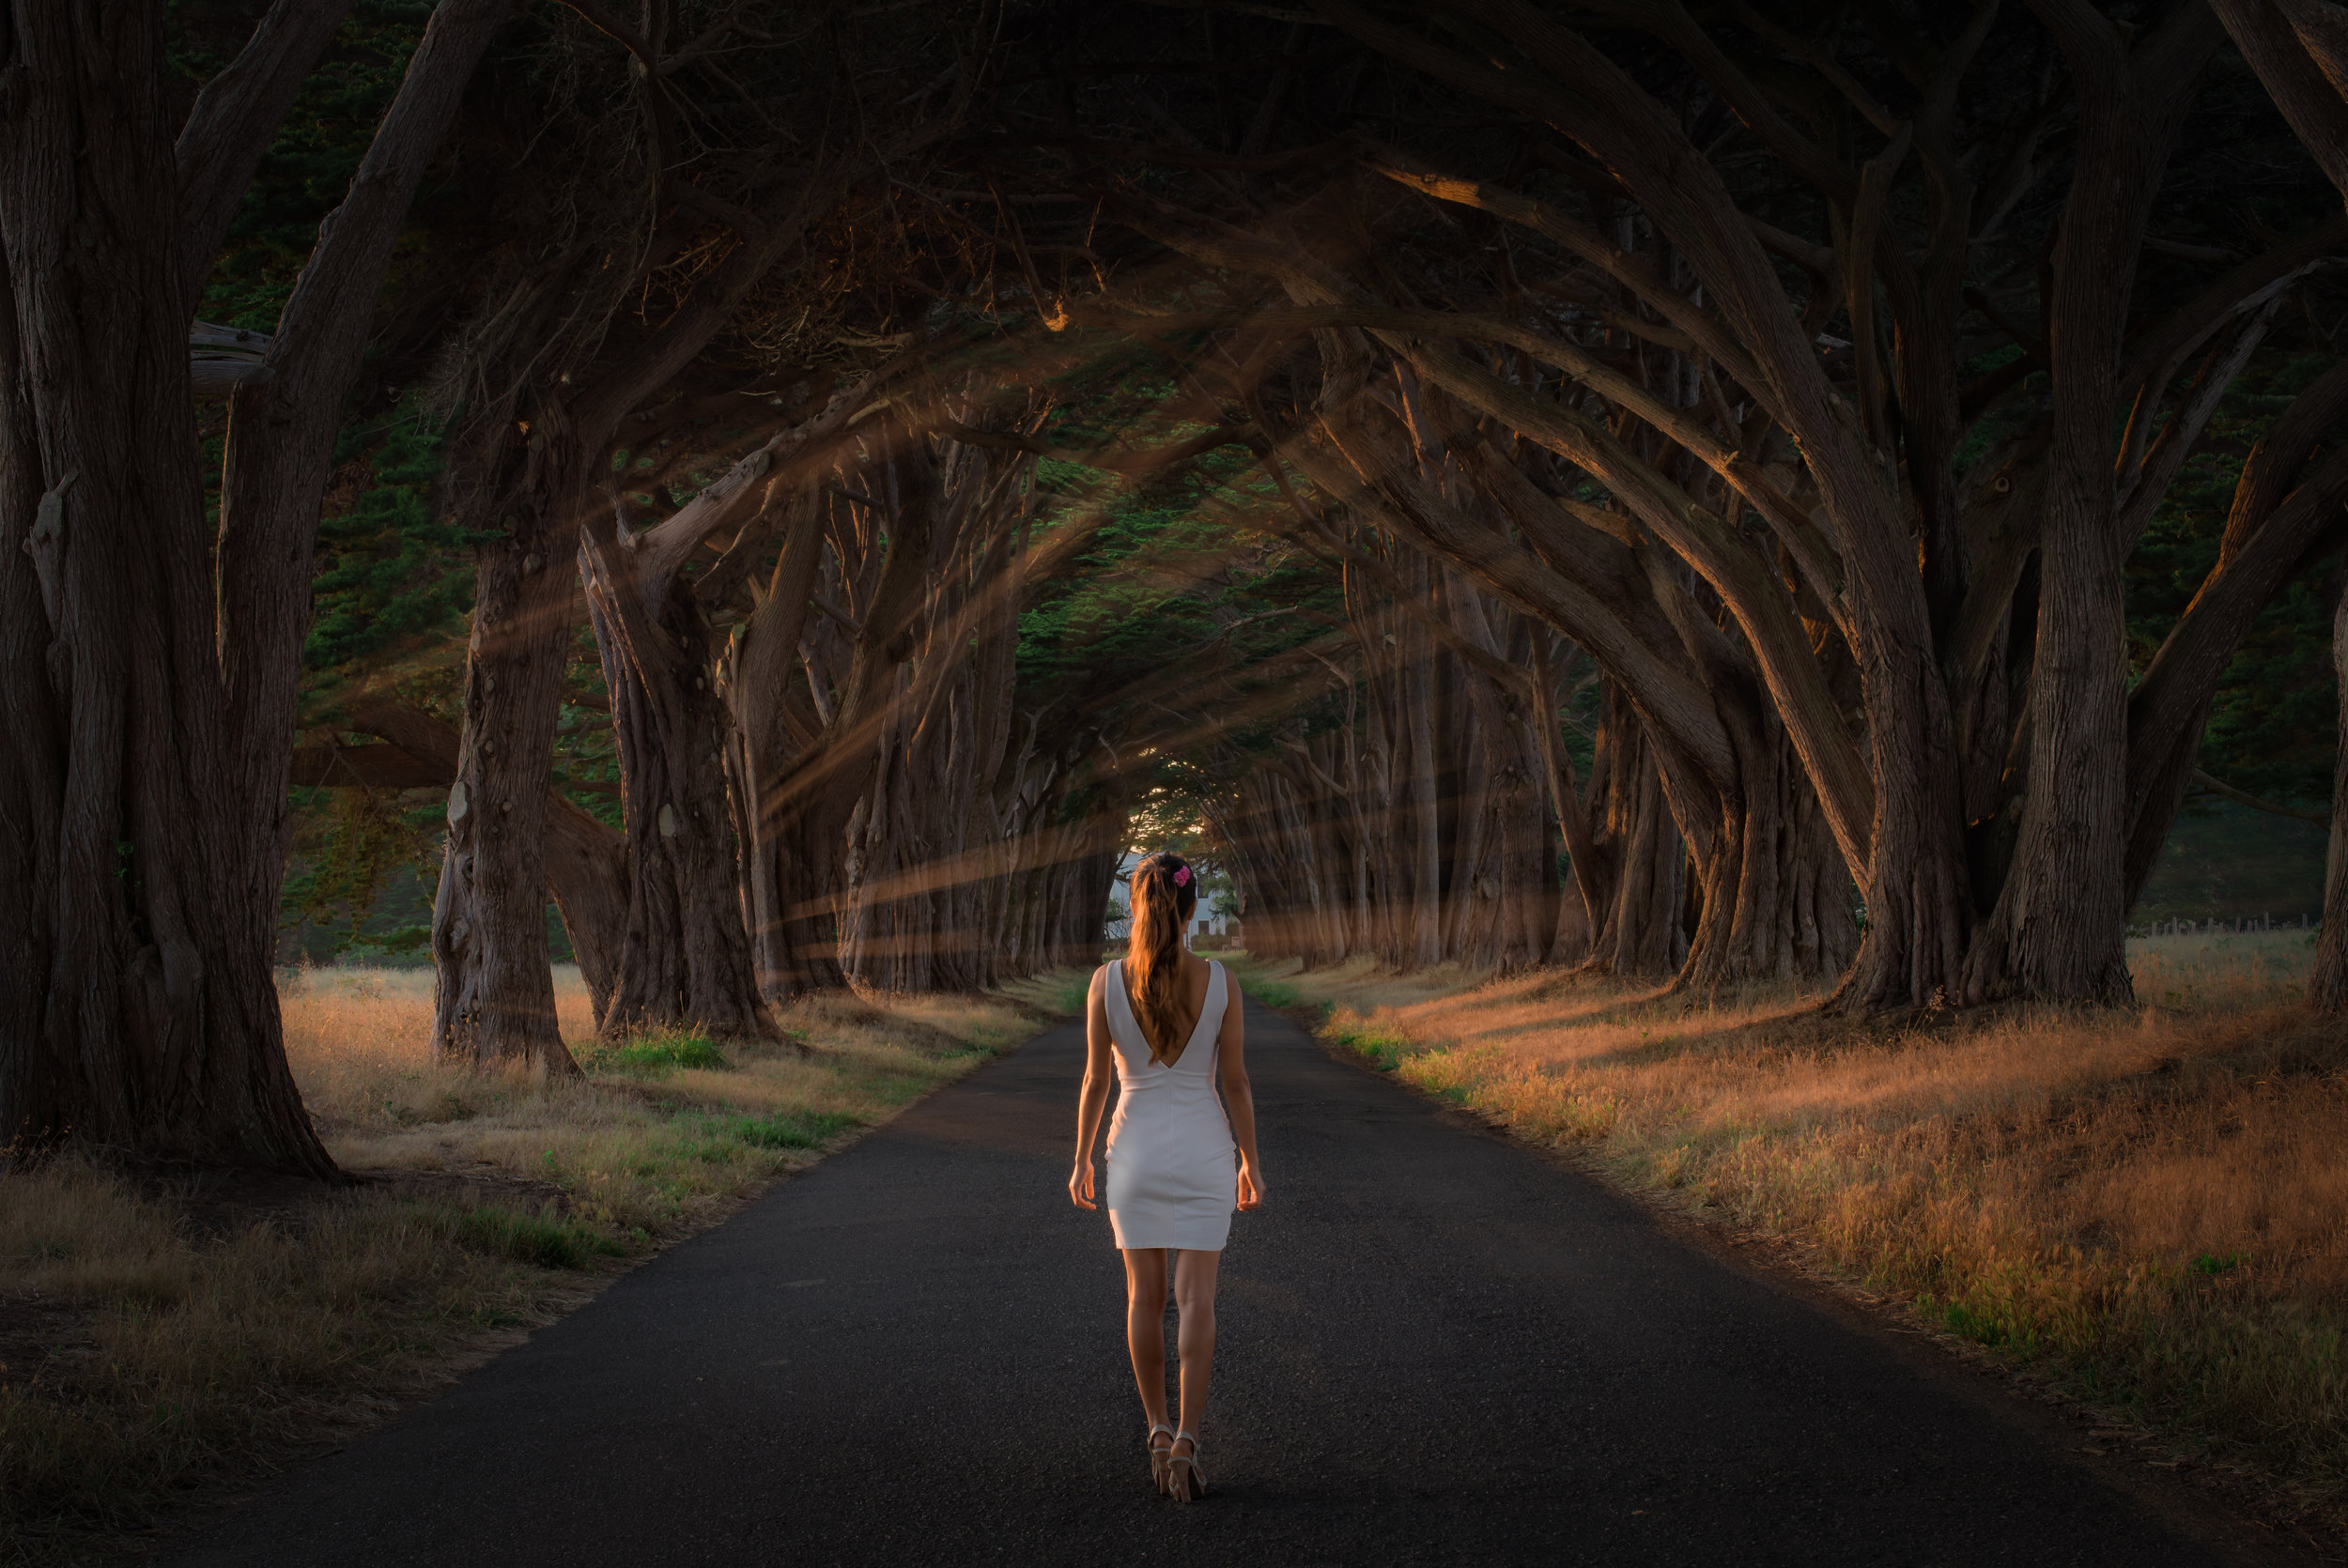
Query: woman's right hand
[(1250, 1186), (1080, 1185)]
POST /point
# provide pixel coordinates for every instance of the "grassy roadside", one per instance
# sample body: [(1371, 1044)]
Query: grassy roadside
[(160, 1337), (2146, 1211)]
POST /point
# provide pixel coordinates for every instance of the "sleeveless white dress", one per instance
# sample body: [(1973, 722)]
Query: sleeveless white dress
[(1172, 1176)]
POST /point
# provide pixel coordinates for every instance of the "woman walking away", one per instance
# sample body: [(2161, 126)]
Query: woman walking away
[(1174, 1027)]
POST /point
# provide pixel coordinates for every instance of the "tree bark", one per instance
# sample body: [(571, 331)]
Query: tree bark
[(2327, 984), (2299, 49), (494, 1002), (283, 422), (686, 961), (807, 757), (2058, 927), (143, 792), (586, 861)]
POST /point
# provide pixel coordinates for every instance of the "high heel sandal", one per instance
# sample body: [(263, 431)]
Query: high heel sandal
[(1184, 1481), (1157, 1454)]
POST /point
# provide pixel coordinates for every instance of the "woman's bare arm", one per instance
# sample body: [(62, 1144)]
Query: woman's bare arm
[(1094, 1097), (1239, 1097)]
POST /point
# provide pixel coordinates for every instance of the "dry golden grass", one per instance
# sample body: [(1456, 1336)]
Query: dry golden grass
[(2152, 1203), (637, 1151), (155, 1336)]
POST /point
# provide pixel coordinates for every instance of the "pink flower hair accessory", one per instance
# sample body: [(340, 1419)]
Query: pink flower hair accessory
[(1181, 876)]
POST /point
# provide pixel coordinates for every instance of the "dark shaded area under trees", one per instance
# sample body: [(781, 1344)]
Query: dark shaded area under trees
[(1754, 493)]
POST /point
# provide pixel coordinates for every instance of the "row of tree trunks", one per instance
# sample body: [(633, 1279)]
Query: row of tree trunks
[(1727, 437), (566, 372), (1418, 830), (814, 678), (1949, 680), (922, 902)]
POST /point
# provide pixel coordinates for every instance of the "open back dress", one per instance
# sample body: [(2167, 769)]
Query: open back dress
[(1172, 1176)]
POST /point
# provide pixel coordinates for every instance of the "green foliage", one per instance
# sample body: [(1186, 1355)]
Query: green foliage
[(2224, 861), (310, 163), (1069, 997), (586, 754), (805, 1129), (348, 844), (1187, 588), (388, 572), (2271, 729), (1271, 991)]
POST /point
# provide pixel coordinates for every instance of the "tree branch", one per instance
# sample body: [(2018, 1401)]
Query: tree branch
[(2244, 798), (233, 120)]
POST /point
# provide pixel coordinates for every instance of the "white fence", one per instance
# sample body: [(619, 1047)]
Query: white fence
[(2225, 928)]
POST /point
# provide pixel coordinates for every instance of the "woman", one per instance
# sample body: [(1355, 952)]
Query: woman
[(1174, 1025)]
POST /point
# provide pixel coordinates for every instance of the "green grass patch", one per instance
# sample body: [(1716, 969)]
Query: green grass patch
[(655, 1053), (1382, 1048), (1271, 992), (800, 1130), (716, 1139), (544, 1238)]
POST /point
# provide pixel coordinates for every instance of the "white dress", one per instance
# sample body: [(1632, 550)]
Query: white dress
[(1172, 1179)]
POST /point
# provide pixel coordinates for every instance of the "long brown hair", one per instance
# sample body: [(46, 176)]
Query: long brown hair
[(1164, 891)]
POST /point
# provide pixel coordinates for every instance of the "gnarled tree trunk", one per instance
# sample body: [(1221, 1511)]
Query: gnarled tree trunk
[(142, 791), (494, 999), (684, 963), (586, 861)]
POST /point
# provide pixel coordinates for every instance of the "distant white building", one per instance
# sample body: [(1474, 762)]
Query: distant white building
[(1216, 915)]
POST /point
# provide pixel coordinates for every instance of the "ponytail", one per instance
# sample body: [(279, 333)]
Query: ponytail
[(1164, 891)]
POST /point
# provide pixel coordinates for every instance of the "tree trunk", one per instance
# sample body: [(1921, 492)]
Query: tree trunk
[(1422, 836), (2299, 49), (140, 1013), (146, 783), (1916, 898), (810, 730), (2327, 986), (494, 1001), (1776, 895), (686, 961), (586, 861), (283, 424), (1636, 840)]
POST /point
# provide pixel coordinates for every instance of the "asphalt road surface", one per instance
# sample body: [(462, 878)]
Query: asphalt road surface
[(1437, 1347)]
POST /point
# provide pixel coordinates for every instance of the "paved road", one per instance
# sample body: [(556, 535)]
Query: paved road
[(1436, 1349)]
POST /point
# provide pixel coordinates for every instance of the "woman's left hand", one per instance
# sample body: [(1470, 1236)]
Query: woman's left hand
[(1080, 1185), (1250, 1187)]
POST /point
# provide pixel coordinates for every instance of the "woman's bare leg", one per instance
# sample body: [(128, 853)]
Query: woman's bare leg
[(1194, 1299), (1145, 1327)]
